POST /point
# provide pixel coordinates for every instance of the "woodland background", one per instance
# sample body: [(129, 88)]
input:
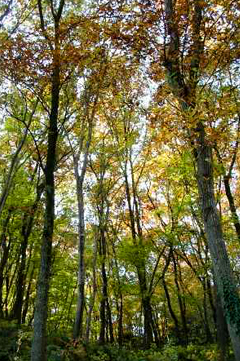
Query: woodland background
[(106, 207)]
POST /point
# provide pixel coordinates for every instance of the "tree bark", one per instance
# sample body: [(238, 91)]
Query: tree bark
[(172, 313), (226, 286), (94, 292), (105, 312), (78, 324), (180, 302), (184, 91), (4, 256), (38, 351), (140, 262)]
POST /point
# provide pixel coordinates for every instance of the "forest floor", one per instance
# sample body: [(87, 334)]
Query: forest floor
[(15, 345)]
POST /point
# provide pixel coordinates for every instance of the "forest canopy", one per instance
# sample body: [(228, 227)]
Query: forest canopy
[(119, 180)]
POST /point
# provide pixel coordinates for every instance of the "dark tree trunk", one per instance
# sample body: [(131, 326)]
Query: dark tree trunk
[(4, 257), (110, 325), (232, 206), (172, 313), (180, 303), (148, 322), (38, 351), (226, 180), (140, 262), (119, 299), (78, 325), (105, 312), (27, 297)]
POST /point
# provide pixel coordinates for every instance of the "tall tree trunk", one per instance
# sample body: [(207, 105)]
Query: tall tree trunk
[(78, 324), (184, 91), (38, 351), (4, 256), (94, 292), (180, 302), (120, 319), (140, 262), (226, 286), (119, 299), (105, 312)]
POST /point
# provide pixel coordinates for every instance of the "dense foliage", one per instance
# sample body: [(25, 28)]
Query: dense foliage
[(119, 180)]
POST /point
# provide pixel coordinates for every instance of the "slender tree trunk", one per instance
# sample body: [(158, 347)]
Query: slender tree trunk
[(38, 351), (120, 320), (78, 325), (226, 180), (209, 338), (105, 312), (4, 256), (27, 297), (119, 299), (140, 262), (180, 302), (172, 313), (109, 318), (102, 321), (232, 206), (94, 292)]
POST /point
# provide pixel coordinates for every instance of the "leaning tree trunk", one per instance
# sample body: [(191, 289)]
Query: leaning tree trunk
[(184, 90), (226, 286)]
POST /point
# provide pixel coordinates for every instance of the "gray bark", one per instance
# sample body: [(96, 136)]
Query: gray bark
[(89, 117), (226, 284), (94, 291), (184, 91)]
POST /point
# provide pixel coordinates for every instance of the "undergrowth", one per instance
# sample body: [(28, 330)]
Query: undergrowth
[(15, 345)]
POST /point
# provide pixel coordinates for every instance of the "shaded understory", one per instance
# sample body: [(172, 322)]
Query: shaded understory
[(15, 345)]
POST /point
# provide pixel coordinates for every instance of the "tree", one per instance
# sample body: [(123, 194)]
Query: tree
[(184, 89), (38, 351)]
